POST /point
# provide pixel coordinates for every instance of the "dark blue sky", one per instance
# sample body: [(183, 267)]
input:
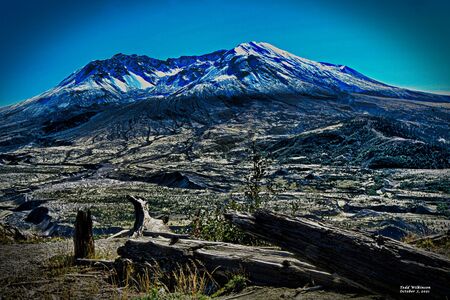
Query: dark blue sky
[(404, 43)]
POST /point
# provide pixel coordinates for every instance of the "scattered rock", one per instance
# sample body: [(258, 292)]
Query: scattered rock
[(365, 213), (174, 180), (312, 176), (393, 232), (38, 215), (10, 234), (398, 228)]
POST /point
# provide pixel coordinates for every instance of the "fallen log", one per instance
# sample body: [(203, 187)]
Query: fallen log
[(263, 266), (397, 209), (97, 263), (169, 235), (380, 264)]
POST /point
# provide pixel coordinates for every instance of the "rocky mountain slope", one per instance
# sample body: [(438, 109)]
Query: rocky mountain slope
[(184, 126), (205, 89)]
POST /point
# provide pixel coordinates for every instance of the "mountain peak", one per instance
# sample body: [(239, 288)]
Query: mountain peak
[(251, 68), (259, 48)]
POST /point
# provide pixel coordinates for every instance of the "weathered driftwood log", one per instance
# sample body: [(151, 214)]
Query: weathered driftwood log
[(263, 266), (83, 238), (169, 235), (381, 264), (142, 221)]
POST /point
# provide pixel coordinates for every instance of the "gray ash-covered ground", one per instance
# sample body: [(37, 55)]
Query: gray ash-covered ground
[(329, 160), (383, 169), (362, 172)]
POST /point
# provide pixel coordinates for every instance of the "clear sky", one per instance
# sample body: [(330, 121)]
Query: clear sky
[(404, 42)]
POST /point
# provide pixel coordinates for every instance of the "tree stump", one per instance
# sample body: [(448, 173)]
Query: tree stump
[(144, 224), (142, 220), (83, 238)]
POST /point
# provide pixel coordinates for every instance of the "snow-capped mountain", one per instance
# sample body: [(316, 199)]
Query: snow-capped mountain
[(248, 69)]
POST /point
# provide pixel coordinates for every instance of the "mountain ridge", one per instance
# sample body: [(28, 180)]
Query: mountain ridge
[(248, 69)]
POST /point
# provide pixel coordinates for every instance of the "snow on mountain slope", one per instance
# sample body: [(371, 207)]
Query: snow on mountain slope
[(248, 69)]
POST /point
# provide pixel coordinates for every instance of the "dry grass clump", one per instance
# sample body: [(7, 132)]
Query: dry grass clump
[(185, 281), (440, 245)]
